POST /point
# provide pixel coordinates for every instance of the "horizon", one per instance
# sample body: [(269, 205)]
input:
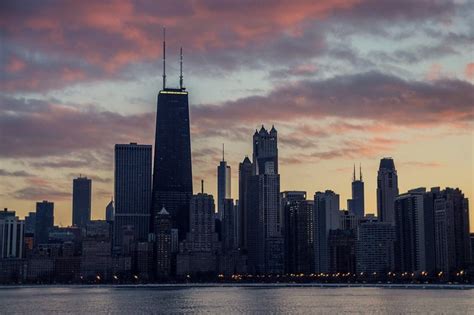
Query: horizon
[(399, 84)]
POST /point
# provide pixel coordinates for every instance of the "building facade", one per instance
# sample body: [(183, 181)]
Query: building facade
[(387, 190), (132, 191), (44, 221), (81, 201)]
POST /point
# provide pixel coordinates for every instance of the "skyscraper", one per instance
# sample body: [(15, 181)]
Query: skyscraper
[(327, 218), (245, 173), (290, 201), (81, 201), (374, 247), (44, 221), (172, 173), (387, 190), (451, 215), (11, 237), (132, 190), (264, 222), (356, 205), (223, 185), (411, 235)]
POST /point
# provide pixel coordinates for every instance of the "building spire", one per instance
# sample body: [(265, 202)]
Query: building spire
[(181, 68), (360, 171), (223, 153), (354, 174), (164, 58), (202, 186)]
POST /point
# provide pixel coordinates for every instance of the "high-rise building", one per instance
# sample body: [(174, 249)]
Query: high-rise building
[(414, 232), (44, 221), (132, 191), (223, 185), (264, 221), (327, 218), (341, 243), (374, 247), (81, 201), (110, 211), (245, 173), (172, 172), (387, 190), (163, 243), (289, 202), (452, 245), (356, 205), (11, 237), (265, 151), (229, 240)]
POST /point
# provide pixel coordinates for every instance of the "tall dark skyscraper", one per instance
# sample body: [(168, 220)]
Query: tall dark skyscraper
[(245, 173), (223, 185), (264, 222), (172, 173), (44, 221), (132, 191), (387, 190), (81, 201), (356, 205)]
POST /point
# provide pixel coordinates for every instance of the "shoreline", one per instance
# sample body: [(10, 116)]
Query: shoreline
[(251, 285)]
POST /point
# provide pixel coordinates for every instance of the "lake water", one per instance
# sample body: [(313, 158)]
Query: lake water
[(228, 300)]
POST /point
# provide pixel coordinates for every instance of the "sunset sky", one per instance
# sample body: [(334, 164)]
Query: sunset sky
[(343, 81)]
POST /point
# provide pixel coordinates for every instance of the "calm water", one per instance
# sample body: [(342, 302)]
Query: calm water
[(227, 300)]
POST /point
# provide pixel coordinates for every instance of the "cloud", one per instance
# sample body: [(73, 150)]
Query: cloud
[(469, 71), (54, 44), (7, 173), (40, 193)]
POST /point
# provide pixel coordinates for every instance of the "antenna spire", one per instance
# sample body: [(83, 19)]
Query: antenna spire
[(223, 153), (354, 174), (202, 186), (164, 58), (181, 68), (360, 171)]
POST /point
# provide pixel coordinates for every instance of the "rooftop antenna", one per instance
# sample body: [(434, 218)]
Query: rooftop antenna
[(360, 171), (354, 174), (164, 58), (223, 153), (181, 68), (202, 186)]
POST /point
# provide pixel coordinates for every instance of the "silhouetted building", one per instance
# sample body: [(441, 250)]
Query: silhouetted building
[(11, 237), (110, 211), (81, 201), (30, 223), (163, 239), (198, 254), (7, 213), (264, 222), (44, 221), (387, 190), (375, 247), (342, 251), (289, 202), (414, 228), (172, 173), (327, 217), (223, 185), (229, 235), (452, 244), (356, 205), (245, 172), (132, 190)]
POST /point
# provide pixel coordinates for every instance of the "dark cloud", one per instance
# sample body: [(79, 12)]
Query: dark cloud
[(40, 193), (7, 173)]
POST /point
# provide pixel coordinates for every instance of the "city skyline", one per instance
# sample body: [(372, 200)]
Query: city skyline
[(346, 96)]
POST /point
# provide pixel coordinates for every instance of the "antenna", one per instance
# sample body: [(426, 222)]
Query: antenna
[(202, 186), (164, 58), (354, 174), (181, 68), (223, 153), (360, 171)]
